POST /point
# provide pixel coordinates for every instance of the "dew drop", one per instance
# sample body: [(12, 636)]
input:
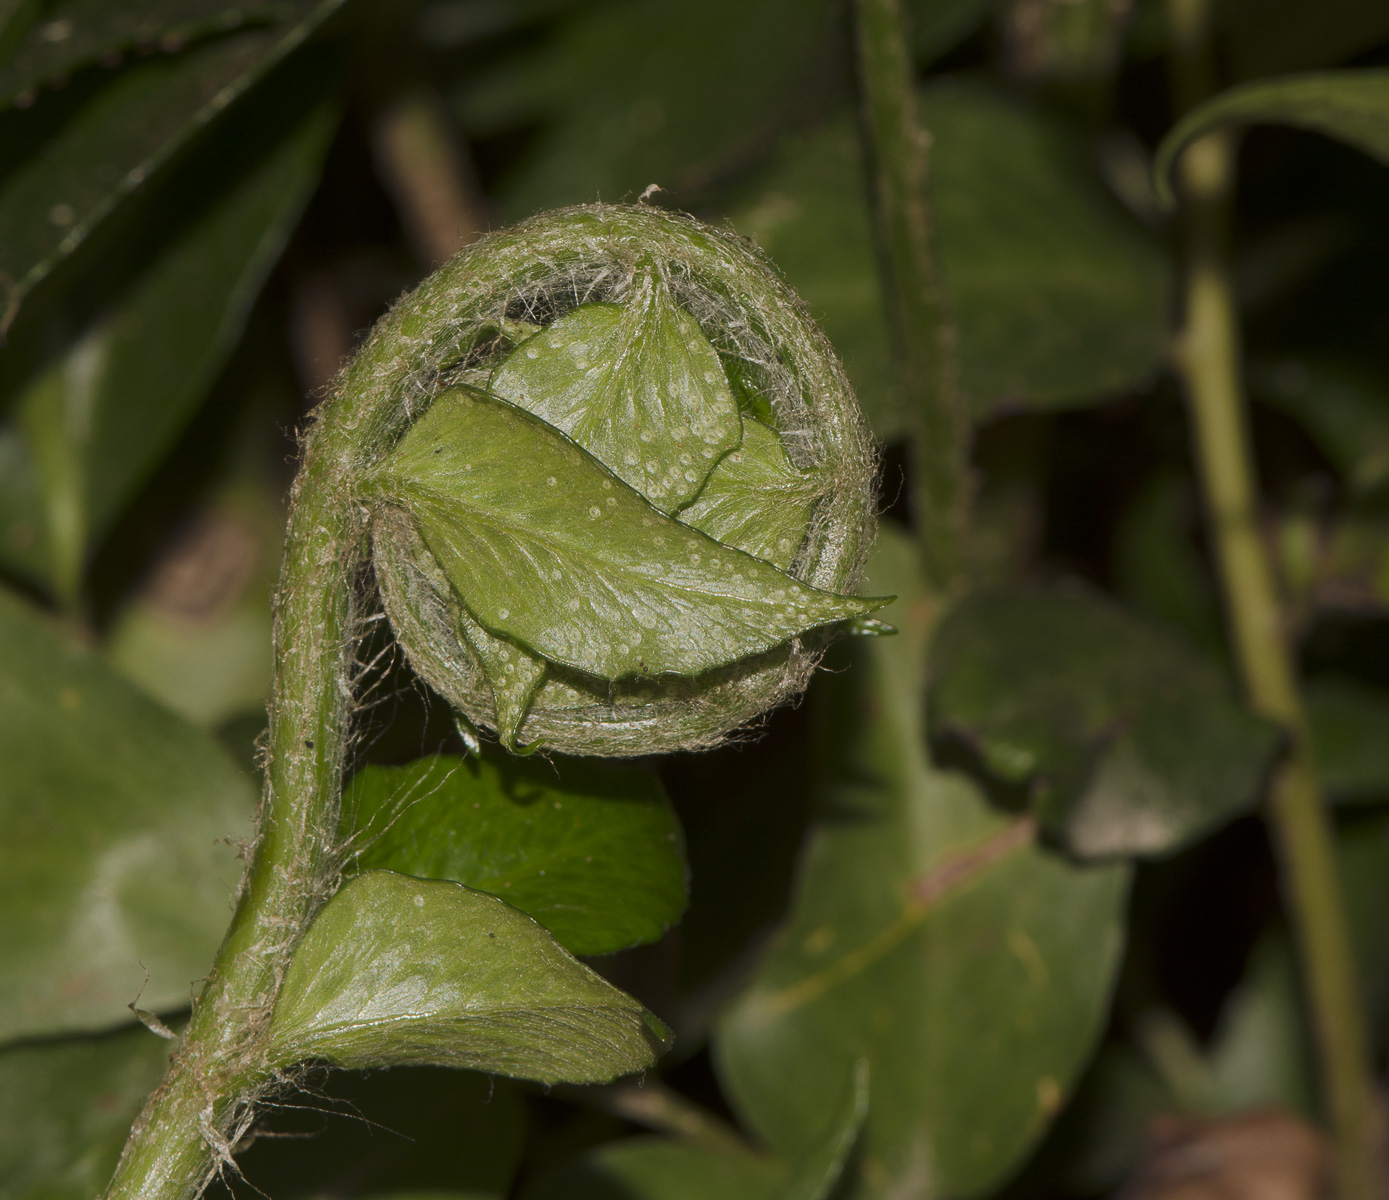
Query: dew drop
[(595, 512), (552, 481), (694, 558), (510, 668), (709, 377), (574, 604), (607, 485), (714, 562), (503, 613), (623, 648), (645, 435), (691, 477), (630, 459), (532, 352), (707, 452), (612, 501), (555, 342)]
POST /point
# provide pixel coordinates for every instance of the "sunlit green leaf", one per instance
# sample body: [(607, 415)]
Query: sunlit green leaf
[(756, 500), (126, 132), (94, 425), (76, 33), (547, 548), (66, 1108), (1129, 743), (115, 819), (1351, 105), (397, 970), (592, 852), (637, 385), (929, 933)]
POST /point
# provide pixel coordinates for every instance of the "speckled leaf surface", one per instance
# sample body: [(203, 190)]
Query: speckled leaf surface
[(512, 672), (77, 33), (929, 933), (118, 139), (66, 1108), (115, 818), (545, 546), (1129, 741), (756, 500), (637, 385), (397, 970), (1351, 105), (591, 851)]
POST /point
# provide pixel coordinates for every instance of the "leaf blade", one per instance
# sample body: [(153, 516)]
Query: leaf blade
[(396, 970), (116, 818), (544, 546), (1350, 105), (592, 852)]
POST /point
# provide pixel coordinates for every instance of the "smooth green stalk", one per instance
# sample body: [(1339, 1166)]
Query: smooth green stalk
[(189, 1127), (923, 332), (1208, 360)]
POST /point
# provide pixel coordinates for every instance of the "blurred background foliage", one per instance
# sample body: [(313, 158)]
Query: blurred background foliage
[(204, 205)]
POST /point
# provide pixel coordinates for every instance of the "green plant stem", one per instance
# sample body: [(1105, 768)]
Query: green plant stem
[(923, 331), (190, 1125), (1207, 357)]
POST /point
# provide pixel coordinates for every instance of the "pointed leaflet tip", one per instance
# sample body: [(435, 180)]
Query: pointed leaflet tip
[(637, 385), (545, 547), (512, 672)]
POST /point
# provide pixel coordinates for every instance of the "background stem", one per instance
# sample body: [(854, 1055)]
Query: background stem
[(190, 1125), (1208, 361), (923, 333)]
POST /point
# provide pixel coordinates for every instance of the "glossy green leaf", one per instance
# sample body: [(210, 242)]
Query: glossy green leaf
[(1060, 297), (593, 852), (115, 820), (544, 546), (95, 424), (77, 33), (1129, 743), (664, 1169), (397, 970), (66, 1108), (756, 500), (1344, 406), (1352, 106), (929, 933), (637, 385), (1350, 729), (126, 132)]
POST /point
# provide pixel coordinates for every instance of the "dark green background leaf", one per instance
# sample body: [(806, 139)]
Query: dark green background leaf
[(96, 423), (1129, 742), (77, 33), (119, 139), (398, 971), (1060, 297), (591, 851), (1350, 105), (929, 933), (1350, 729), (66, 1107), (115, 817)]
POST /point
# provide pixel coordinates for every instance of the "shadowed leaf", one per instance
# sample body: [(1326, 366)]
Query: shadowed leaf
[(114, 821), (593, 852), (1128, 741)]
